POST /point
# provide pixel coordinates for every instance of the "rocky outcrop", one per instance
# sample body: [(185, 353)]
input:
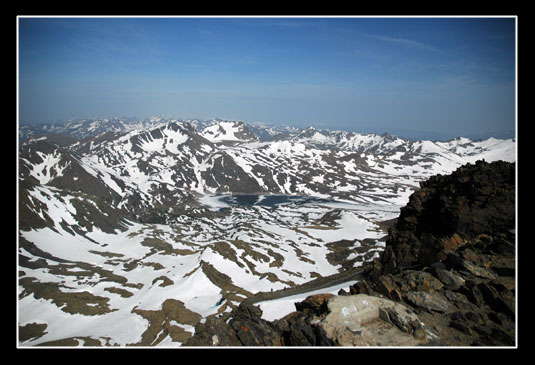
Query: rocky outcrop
[(451, 256), (320, 320), (245, 328), (449, 211), (363, 320), (446, 277)]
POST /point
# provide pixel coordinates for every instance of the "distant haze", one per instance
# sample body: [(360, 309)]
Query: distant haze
[(441, 77)]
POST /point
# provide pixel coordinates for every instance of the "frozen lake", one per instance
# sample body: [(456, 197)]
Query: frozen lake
[(222, 201), (268, 200)]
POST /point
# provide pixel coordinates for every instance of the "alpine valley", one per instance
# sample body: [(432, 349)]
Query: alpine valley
[(132, 232)]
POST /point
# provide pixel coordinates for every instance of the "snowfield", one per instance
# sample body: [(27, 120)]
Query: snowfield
[(273, 235), (97, 262)]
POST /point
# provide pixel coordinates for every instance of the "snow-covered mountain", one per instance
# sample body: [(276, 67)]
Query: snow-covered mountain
[(136, 231), (93, 127), (83, 128)]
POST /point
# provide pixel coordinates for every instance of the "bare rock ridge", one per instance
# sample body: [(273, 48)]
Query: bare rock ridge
[(446, 278)]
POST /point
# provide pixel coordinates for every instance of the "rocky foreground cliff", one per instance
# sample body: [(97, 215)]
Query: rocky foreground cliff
[(447, 277)]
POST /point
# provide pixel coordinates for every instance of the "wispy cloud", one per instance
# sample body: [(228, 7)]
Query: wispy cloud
[(405, 42), (280, 22)]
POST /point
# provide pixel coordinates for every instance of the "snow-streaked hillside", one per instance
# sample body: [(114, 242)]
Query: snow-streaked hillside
[(125, 234)]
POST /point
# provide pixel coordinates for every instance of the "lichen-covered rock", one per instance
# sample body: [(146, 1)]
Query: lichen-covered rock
[(429, 301), (251, 329), (363, 320)]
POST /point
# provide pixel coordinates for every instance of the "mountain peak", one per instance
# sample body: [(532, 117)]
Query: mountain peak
[(228, 131)]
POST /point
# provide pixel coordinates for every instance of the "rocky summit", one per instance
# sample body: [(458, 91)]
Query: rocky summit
[(451, 256), (446, 278)]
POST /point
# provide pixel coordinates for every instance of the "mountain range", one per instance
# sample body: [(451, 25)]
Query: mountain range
[(136, 231)]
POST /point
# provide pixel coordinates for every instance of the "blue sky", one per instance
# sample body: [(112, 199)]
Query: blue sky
[(446, 76)]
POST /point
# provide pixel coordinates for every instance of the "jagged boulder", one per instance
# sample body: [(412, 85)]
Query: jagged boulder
[(301, 329), (251, 329), (244, 328), (213, 332), (316, 304)]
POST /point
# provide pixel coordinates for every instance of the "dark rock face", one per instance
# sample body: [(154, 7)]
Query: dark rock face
[(253, 330), (246, 328), (214, 332), (450, 210), (296, 329)]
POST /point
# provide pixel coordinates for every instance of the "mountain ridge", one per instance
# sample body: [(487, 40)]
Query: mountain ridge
[(86, 127), (135, 218)]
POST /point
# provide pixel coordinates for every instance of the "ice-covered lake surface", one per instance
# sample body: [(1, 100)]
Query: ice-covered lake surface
[(299, 204), (221, 201)]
